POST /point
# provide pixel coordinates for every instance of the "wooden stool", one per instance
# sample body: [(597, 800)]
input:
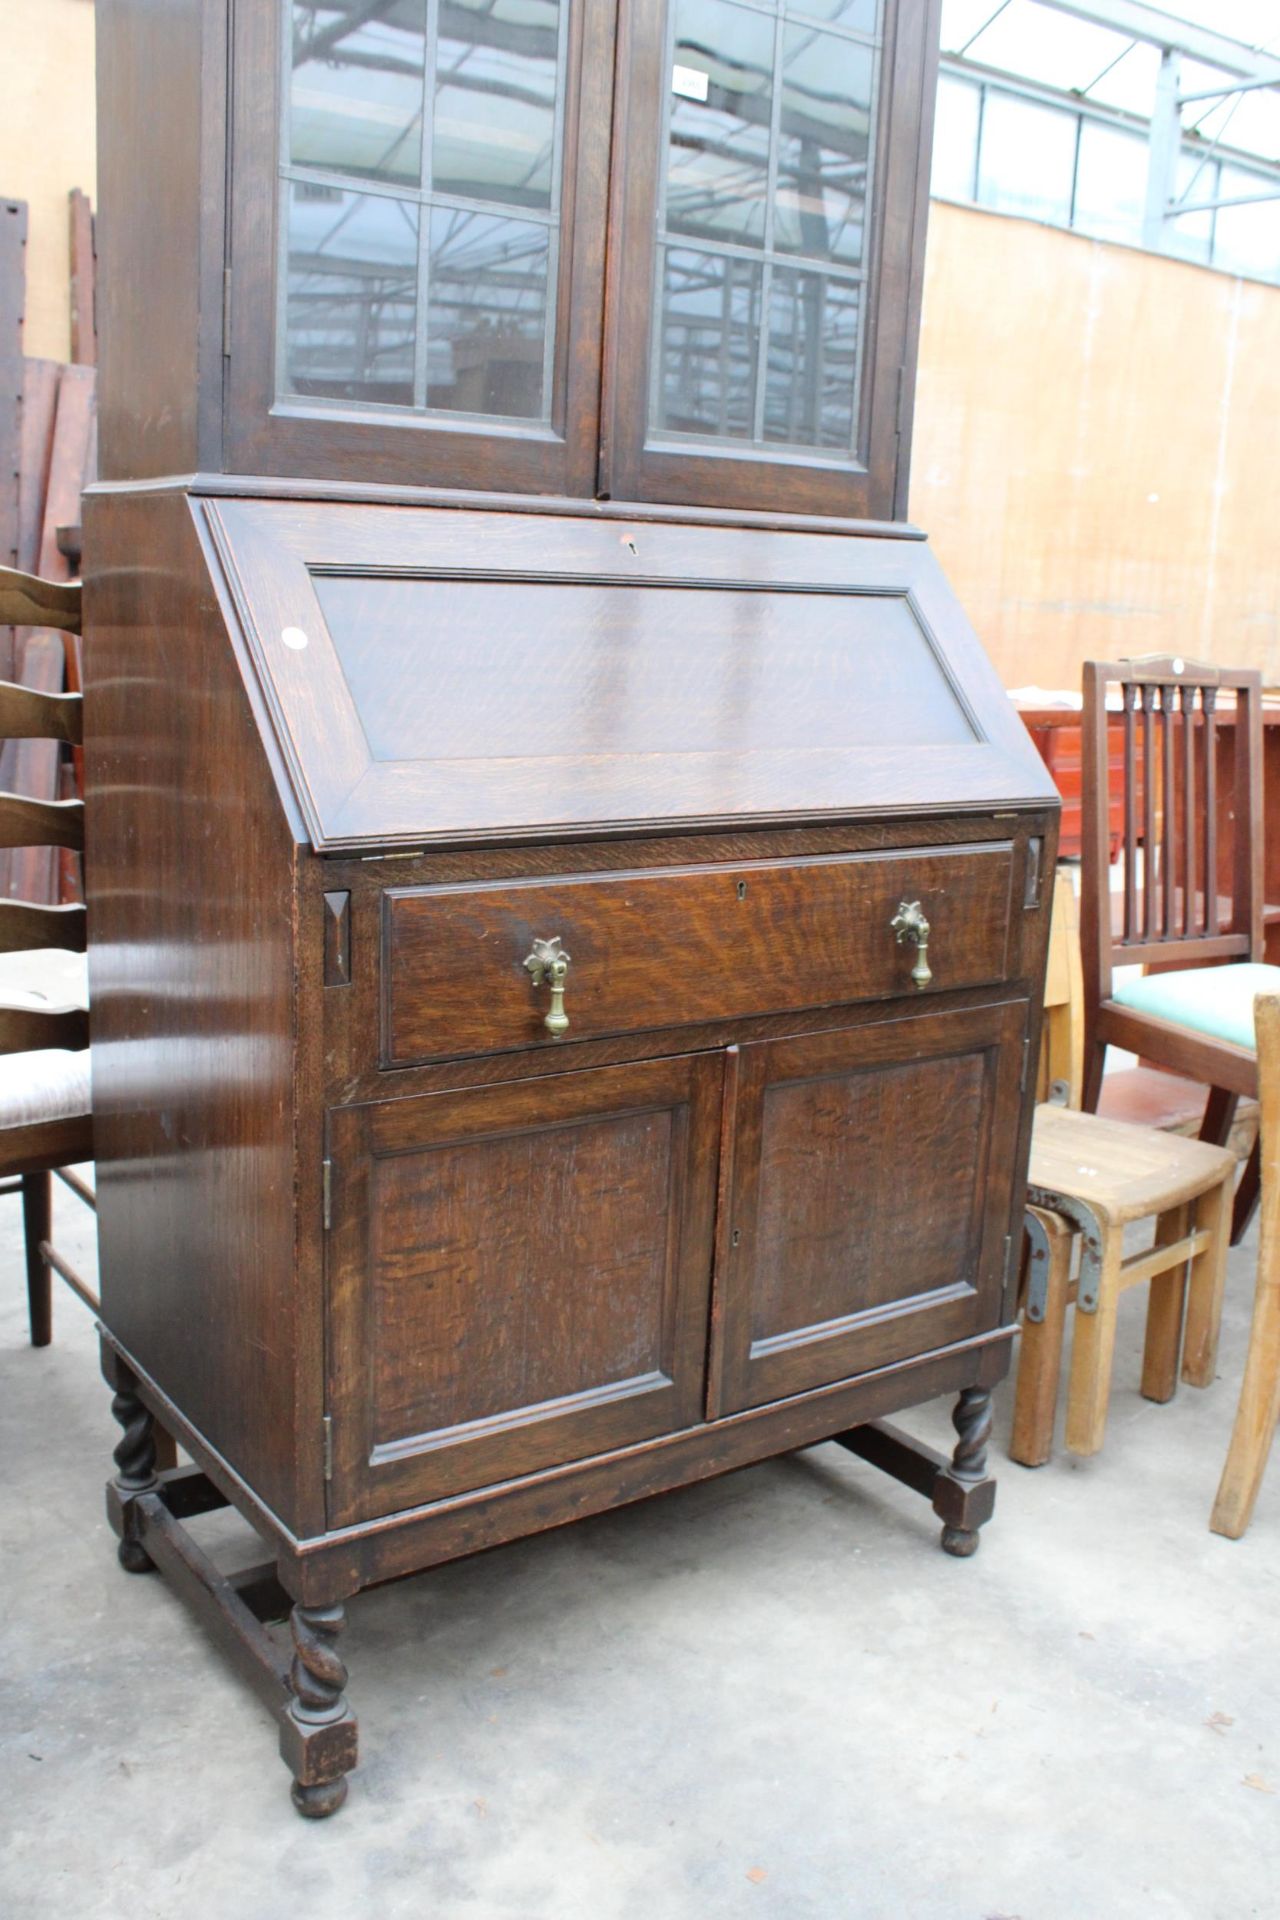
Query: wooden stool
[(1092, 1178)]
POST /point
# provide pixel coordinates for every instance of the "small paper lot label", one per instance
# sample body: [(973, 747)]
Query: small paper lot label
[(690, 82)]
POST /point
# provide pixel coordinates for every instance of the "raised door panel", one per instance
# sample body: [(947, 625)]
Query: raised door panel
[(519, 1277), (869, 1197)]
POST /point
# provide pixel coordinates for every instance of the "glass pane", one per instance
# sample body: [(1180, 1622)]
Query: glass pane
[(493, 131), (955, 140), (823, 145), (813, 350), (355, 92), (487, 318), (1027, 158), (1111, 182), (1247, 239), (352, 295), (721, 104), (860, 16), (710, 325)]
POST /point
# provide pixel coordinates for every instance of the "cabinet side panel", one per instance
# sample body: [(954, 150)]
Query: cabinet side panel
[(191, 875), (161, 146)]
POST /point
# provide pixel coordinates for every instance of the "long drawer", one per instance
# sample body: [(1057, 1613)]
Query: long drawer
[(671, 946)]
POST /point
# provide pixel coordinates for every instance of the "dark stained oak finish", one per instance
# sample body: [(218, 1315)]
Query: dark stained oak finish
[(543, 720), (832, 1260), (556, 1308), (662, 947), (384, 701), (638, 463)]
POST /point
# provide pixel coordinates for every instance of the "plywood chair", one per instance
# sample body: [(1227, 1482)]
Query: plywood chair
[(1089, 1180), (1259, 1407), (1192, 902), (45, 1115)]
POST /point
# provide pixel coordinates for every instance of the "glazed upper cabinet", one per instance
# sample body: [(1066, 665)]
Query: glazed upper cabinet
[(653, 250)]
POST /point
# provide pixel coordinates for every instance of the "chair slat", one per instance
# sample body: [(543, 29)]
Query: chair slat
[(22, 925), (28, 601), (26, 714), (28, 1030), (1149, 776), (41, 823), (1209, 699), (1129, 695), (1189, 915), (1168, 706)]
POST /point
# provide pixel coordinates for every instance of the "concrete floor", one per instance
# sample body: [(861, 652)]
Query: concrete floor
[(770, 1696)]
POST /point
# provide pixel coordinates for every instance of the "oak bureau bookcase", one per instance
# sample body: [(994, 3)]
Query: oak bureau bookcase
[(568, 892)]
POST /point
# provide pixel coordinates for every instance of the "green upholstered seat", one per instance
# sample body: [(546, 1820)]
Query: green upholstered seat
[(1212, 1000)]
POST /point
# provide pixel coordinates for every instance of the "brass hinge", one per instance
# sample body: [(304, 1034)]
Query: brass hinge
[(1010, 1279), (328, 1194), (328, 1446), (226, 313)]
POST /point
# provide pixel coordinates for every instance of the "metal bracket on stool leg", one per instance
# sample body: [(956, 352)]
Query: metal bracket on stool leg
[(1037, 1270), (1087, 1224)]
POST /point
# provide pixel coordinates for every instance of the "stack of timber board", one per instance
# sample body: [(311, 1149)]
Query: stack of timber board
[(48, 454)]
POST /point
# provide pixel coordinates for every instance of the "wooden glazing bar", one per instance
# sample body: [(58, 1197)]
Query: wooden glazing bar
[(1208, 698)]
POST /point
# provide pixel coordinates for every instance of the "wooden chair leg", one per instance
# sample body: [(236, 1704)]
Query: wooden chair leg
[(1166, 1301), (1206, 1285), (1093, 1342), (1219, 1116), (1257, 1413), (37, 1225), (1040, 1358), (1248, 1193), (1095, 1061)]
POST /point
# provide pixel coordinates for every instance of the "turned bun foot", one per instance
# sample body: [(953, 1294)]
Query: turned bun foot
[(134, 1558), (318, 1802), (960, 1542)]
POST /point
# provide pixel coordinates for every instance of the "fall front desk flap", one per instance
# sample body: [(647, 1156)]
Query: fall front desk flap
[(443, 676)]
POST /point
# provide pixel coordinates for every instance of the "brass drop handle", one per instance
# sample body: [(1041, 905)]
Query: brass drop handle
[(909, 923), (550, 963)]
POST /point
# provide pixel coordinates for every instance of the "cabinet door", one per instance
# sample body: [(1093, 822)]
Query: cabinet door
[(519, 1276), (868, 1199), (770, 178), (417, 241)]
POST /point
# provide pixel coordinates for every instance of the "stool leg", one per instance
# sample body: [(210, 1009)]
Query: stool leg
[(1093, 1341), (1166, 1301), (1206, 1285), (1258, 1411), (1040, 1363)]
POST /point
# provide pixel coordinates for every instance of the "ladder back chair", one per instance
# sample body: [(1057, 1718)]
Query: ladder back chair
[(1191, 907), (45, 1113)]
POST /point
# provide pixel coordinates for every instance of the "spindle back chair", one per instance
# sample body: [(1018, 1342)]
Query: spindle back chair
[(1192, 882)]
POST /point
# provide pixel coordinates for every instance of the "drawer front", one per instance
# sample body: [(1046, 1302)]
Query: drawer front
[(673, 946)]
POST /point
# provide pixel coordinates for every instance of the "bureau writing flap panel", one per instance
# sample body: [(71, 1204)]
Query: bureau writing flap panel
[(437, 676)]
